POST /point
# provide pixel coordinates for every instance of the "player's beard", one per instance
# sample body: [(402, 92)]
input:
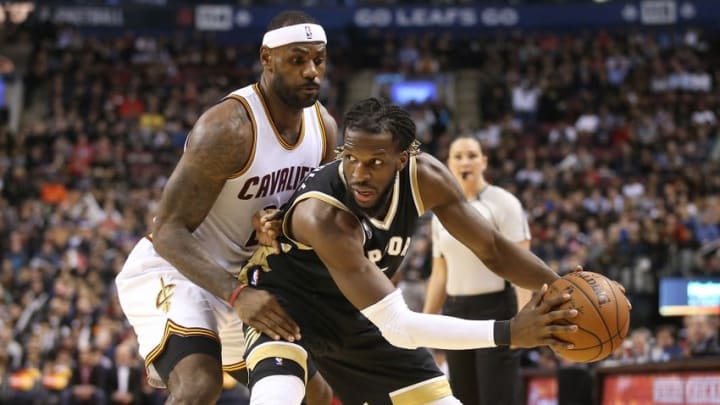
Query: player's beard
[(380, 205), (285, 93)]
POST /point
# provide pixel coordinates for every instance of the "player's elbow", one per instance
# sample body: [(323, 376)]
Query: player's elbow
[(162, 235), (391, 315)]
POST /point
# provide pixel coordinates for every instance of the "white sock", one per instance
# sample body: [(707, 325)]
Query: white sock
[(278, 390)]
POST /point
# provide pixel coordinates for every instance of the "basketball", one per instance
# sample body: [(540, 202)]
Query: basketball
[(603, 315)]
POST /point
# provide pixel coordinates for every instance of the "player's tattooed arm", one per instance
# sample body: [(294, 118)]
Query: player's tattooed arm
[(218, 147), (440, 193)]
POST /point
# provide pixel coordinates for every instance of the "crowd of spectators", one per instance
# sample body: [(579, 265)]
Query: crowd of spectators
[(610, 141)]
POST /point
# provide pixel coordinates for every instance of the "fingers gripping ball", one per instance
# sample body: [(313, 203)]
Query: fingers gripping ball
[(603, 315)]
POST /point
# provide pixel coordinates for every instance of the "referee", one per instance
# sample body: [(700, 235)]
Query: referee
[(468, 289)]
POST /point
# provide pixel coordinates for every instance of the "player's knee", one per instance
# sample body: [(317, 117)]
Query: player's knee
[(196, 379), (202, 386), (191, 368)]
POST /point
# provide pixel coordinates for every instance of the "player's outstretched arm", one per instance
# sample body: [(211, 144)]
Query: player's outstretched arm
[(337, 238), (441, 194), (218, 146)]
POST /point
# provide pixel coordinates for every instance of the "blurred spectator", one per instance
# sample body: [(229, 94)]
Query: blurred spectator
[(640, 345), (666, 347), (702, 335), (125, 377), (88, 383)]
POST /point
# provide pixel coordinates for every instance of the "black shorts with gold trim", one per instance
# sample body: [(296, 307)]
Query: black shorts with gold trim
[(367, 370)]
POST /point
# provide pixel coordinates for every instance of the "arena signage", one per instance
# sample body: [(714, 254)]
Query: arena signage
[(85, 16), (214, 18), (234, 23), (423, 17), (685, 388)]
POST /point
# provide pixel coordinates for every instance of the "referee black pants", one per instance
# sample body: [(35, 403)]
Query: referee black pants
[(484, 376)]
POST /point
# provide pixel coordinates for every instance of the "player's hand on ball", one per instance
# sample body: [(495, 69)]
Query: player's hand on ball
[(260, 309), (268, 225), (536, 323)]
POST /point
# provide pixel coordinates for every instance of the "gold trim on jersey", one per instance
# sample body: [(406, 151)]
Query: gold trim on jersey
[(390, 216), (251, 336), (422, 393), (279, 137), (251, 159), (259, 258), (171, 328), (279, 351), (341, 173), (322, 131), (328, 199), (235, 367), (415, 186)]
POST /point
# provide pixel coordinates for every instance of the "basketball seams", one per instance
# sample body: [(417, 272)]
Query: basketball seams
[(598, 346), (594, 352), (597, 310), (599, 315), (601, 342), (617, 309)]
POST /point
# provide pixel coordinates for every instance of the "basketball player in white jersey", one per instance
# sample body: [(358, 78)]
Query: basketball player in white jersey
[(470, 290), (179, 287)]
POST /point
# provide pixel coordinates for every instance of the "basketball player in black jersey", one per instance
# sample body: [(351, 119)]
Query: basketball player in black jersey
[(346, 225)]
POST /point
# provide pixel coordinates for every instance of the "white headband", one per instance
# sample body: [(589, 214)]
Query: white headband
[(294, 33)]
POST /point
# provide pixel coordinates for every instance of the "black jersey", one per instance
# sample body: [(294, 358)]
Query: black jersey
[(350, 352), (300, 279)]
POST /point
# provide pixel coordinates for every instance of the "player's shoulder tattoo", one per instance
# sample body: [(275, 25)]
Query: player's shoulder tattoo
[(223, 138)]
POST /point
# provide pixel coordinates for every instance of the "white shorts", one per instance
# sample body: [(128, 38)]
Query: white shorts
[(159, 301)]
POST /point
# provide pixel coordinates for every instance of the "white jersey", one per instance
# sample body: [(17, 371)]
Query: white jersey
[(160, 301), (273, 172), (466, 274)]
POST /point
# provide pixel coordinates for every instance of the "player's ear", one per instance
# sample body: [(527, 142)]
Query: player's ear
[(403, 160), (266, 58)]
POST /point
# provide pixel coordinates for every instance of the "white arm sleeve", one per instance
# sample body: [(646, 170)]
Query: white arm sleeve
[(408, 329)]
